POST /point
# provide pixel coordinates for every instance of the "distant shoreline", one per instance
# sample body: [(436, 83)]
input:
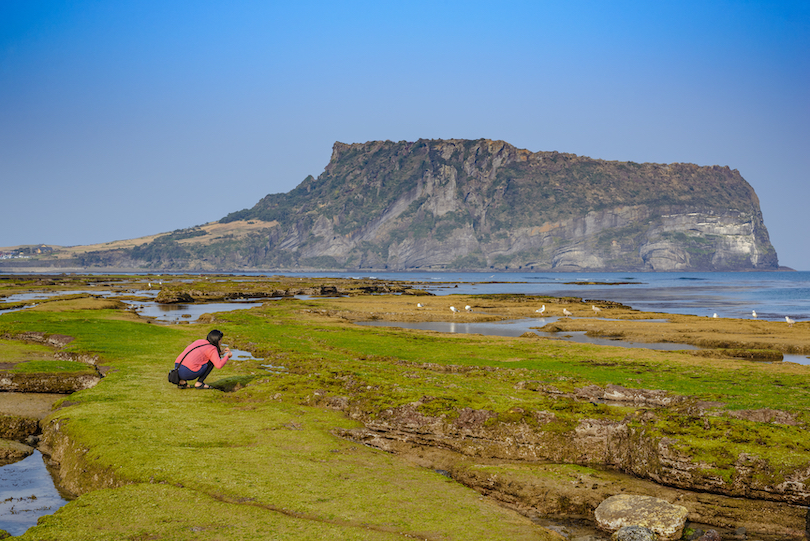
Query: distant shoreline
[(6, 268)]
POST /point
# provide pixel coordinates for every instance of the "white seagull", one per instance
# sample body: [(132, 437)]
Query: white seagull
[(596, 309), (419, 305), (754, 313), (715, 314), (468, 308), (541, 309), (453, 309), (790, 322), (567, 313)]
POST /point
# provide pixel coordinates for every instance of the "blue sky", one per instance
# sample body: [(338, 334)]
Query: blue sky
[(124, 119)]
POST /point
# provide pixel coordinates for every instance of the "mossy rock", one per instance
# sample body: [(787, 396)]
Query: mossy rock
[(13, 451), (16, 427), (173, 297)]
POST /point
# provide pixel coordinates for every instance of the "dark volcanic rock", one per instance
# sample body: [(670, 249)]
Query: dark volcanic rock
[(173, 297)]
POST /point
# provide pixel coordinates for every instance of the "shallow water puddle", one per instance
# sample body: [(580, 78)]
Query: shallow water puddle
[(518, 327), (188, 312), (27, 492), (240, 355), (799, 359)]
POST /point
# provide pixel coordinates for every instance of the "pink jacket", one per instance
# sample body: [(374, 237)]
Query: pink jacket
[(197, 358)]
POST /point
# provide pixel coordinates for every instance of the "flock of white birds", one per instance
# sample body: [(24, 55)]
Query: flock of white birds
[(596, 310)]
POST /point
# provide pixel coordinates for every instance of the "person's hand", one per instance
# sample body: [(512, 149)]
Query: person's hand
[(228, 352)]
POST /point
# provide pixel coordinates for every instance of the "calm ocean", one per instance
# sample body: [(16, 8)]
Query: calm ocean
[(773, 295)]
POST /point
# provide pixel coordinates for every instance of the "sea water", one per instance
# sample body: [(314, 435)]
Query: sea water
[(773, 295)]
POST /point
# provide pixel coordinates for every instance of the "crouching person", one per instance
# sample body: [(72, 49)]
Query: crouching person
[(199, 358)]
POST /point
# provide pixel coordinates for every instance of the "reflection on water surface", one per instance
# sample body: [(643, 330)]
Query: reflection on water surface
[(188, 312), (518, 327)]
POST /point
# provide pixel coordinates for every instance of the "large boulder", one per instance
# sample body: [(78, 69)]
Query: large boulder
[(663, 518)]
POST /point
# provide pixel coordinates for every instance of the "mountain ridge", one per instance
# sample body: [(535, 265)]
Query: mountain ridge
[(481, 205)]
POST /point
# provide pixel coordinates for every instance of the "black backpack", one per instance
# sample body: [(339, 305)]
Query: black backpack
[(174, 373)]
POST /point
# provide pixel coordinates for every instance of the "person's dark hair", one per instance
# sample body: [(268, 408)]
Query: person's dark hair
[(213, 338)]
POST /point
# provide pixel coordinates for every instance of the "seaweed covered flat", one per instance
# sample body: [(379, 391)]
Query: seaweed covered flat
[(346, 441)]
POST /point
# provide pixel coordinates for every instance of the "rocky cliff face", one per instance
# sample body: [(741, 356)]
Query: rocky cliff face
[(474, 205)]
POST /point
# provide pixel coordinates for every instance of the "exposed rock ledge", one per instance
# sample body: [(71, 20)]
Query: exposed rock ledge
[(624, 444), (756, 495), (531, 488), (47, 383), (538, 489), (508, 464)]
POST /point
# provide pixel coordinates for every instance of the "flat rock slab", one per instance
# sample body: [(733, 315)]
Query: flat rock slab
[(33, 405), (663, 518), (65, 383), (13, 451)]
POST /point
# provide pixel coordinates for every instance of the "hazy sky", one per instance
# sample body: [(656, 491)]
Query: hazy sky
[(120, 119)]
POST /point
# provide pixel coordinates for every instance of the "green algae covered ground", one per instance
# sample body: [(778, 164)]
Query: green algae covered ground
[(242, 465), (263, 460)]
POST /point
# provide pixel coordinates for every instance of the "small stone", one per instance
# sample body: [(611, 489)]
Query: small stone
[(633, 533), (711, 535)]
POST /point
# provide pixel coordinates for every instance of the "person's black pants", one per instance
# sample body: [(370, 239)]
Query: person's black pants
[(199, 375)]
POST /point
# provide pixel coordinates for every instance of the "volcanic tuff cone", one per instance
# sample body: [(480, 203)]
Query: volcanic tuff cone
[(473, 205)]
